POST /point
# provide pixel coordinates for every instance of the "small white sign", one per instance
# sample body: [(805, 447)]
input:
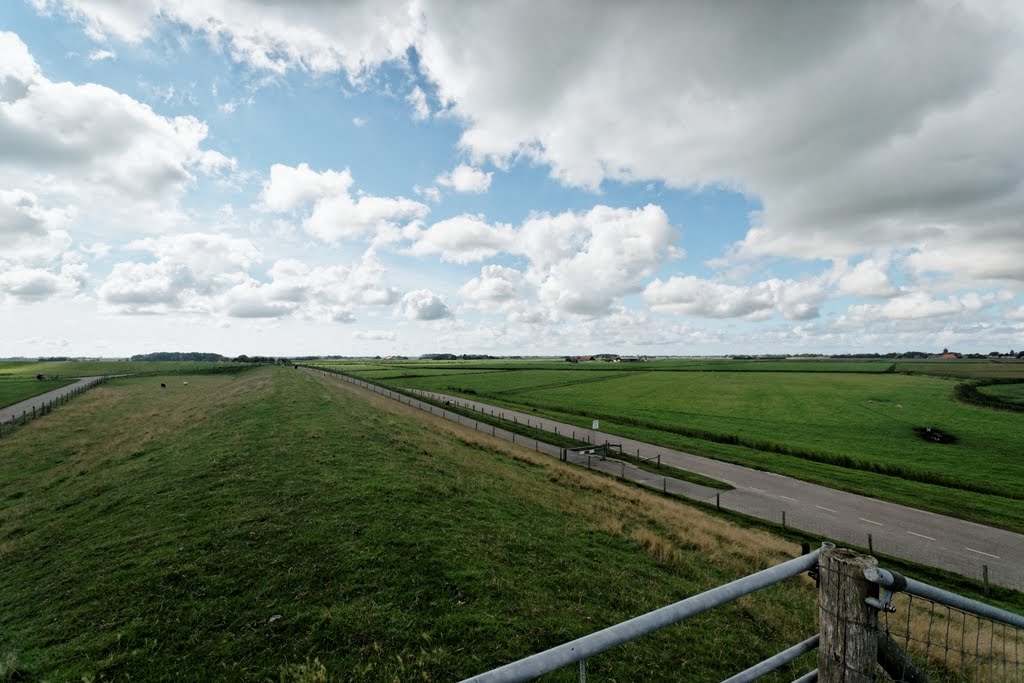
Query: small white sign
[(596, 425)]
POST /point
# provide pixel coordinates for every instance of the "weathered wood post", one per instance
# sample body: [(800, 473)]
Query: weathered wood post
[(848, 650)]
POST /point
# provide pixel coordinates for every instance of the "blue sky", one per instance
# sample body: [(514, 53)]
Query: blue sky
[(403, 178)]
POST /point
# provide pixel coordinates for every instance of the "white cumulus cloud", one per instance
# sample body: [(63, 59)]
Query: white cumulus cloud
[(335, 214), (422, 304), (92, 135), (465, 178)]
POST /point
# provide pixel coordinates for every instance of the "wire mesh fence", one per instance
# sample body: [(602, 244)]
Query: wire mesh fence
[(872, 635), (942, 643)]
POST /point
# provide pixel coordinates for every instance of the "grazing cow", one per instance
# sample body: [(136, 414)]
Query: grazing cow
[(185, 383), (162, 385)]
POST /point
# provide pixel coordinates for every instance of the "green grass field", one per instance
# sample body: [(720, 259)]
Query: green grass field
[(851, 429), (91, 368), (1010, 393), (15, 389), (968, 369), (243, 525)]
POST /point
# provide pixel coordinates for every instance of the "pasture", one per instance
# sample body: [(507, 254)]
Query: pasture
[(92, 368), (16, 388), (853, 428), (245, 526), (1010, 393)]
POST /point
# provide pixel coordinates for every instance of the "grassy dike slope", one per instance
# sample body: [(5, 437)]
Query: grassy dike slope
[(243, 525)]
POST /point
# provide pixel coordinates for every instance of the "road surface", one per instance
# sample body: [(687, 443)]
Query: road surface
[(924, 537)]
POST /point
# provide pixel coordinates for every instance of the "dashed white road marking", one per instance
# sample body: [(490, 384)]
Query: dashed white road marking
[(821, 507), (788, 498), (730, 483), (920, 535), (758, 490), (981, 553), (870, 521)]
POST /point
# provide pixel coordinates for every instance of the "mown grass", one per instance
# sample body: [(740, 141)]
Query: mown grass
[(535, 433), (968, 369), (1007, 393), (850, 430), (92, 368), (15, 389), (245, 526)]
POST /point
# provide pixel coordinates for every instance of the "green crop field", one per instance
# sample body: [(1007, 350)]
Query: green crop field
[(852, 428), (248, 526), (17, 388)]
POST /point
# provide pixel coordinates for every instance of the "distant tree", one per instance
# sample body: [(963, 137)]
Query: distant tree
[(181, 356), (945, 350)]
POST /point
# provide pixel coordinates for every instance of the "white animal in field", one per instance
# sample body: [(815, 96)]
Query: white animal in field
[(185, 383), (899, 406)]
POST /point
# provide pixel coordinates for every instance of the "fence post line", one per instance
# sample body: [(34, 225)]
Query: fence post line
[(718, 501), (848, 650), (871, 545), (783, 520), (984, 576)]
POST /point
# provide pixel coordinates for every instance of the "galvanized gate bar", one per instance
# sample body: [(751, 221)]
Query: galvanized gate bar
[(809, 677), (568, 653), (895, 581), (775, 661)]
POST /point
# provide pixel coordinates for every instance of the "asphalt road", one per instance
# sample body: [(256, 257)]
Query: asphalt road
[(916, 535), (25, 407)]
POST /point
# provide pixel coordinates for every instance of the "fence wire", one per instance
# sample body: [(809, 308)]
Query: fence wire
[(942, 643), (920, 641)]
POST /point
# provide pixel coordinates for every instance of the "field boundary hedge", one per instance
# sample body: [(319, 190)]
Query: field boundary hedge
[(967, 392)]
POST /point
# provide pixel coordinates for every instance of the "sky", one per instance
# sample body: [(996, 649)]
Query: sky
[(398, 178)]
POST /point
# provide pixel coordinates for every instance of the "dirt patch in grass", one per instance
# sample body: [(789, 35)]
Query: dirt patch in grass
[(935, 435)]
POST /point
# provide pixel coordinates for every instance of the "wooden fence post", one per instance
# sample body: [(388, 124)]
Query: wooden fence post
[(848, 650)]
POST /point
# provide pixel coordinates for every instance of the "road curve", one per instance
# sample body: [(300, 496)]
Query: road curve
[(16, 410), (956, 545)]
